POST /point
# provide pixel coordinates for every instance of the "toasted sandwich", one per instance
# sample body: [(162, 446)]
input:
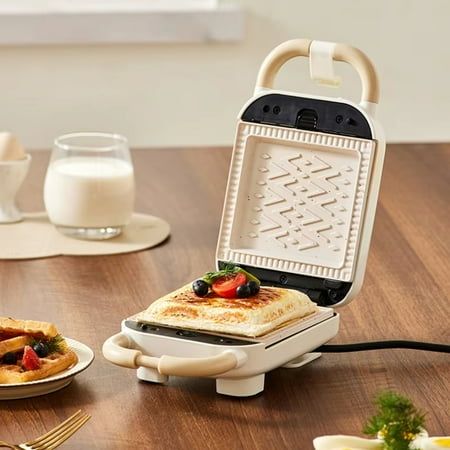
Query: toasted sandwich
[(253, 316), (31, 350)]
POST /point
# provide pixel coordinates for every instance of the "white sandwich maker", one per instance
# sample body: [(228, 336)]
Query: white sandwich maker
[(299, 209)]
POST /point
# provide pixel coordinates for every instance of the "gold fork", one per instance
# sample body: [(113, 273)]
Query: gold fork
[(55, 437)]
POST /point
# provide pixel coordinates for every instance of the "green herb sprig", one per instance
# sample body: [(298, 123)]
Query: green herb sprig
[(397, 422), (55, 344), (229, 269)]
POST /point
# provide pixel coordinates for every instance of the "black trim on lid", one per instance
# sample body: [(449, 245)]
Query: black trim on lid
[(308, 114)]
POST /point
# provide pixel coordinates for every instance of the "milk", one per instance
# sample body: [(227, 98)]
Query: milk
[(89, 192)]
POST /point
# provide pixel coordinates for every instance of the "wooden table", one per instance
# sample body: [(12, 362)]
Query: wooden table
[(405, 295)]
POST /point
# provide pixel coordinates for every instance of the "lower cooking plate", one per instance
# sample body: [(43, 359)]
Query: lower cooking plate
[(286, 330), (190, 335)]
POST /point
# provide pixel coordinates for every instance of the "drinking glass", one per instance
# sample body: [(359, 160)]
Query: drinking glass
[(89, 186)]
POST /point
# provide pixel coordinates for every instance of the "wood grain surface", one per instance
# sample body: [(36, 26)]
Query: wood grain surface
[(405, 295)]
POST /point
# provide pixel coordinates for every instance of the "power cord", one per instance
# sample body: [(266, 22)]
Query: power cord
[(380, 345)]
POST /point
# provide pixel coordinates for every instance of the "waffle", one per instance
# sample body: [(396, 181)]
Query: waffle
[(14, 344), (54, 363), (34, 328), (15, 335)]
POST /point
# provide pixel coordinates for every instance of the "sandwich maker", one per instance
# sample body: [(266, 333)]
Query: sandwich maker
[(298, 213)]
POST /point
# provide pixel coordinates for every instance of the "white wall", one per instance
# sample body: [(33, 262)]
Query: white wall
[(166, 95)]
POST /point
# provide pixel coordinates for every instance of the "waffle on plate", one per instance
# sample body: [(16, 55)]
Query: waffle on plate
[(31, 350)]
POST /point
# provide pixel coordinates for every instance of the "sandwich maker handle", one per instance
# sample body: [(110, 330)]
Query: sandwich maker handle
[(199, 367), (117, 350), (341, 52)]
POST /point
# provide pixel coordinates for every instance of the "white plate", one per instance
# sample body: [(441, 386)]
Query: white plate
[(54, 382)]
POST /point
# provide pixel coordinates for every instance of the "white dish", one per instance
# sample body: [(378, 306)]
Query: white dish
[(54, 382)]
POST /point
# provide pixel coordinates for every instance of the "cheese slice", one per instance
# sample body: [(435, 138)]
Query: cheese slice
[(253, 316)]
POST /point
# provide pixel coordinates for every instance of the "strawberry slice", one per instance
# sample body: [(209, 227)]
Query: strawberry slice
[(30, 360)]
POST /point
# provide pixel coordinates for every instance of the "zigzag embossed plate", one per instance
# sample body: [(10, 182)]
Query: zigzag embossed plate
[(299, 205)]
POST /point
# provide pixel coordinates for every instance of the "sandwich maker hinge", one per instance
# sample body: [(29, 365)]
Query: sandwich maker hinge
[(323, 291)]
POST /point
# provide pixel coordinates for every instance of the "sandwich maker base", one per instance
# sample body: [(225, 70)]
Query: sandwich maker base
[(280, 348)]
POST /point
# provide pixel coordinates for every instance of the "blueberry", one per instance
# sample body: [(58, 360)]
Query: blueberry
[(243, 291), (254, 287), (41, 349), (9, 358), (200, 287)]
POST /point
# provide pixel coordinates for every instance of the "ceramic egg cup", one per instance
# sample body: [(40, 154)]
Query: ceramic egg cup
[(12, 175)]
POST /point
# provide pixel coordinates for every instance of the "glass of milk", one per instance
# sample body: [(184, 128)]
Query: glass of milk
[(89, 186)]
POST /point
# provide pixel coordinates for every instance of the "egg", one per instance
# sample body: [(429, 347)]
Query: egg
[(10, 147), (341, 442), (434, 443)]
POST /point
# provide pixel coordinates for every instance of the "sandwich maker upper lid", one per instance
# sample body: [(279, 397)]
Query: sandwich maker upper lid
[(297, 192)]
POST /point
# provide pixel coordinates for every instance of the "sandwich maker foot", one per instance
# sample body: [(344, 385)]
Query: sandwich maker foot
[(152, 375), (302, 360), (240, 387)]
